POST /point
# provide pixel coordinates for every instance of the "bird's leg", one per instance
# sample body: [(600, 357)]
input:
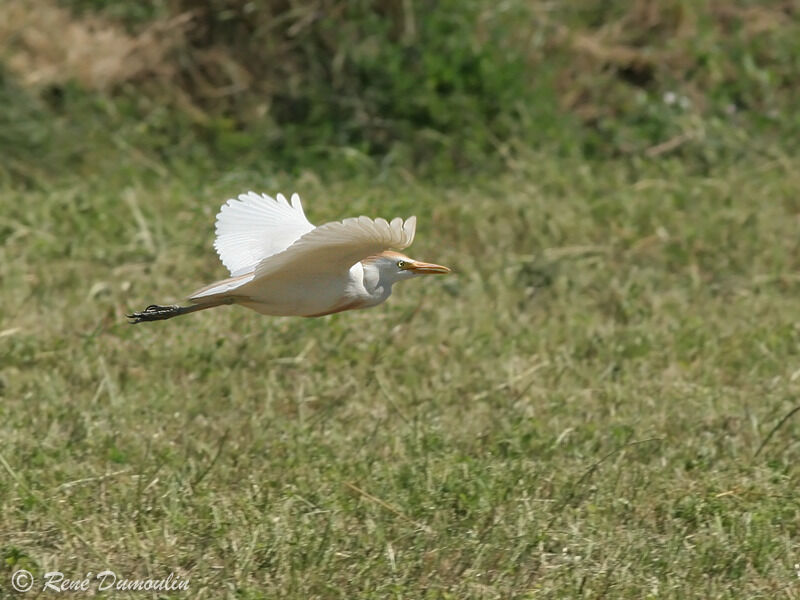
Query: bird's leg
[(156, 312)]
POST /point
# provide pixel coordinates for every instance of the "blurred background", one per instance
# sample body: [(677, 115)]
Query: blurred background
[(435, 88)]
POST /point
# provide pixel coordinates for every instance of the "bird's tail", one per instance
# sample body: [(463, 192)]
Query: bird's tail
[(156, 312)]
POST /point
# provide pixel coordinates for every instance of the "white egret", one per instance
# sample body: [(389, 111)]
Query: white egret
[(282, 265)]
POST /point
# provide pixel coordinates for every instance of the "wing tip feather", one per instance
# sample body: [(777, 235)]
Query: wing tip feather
[(410, 229), (254, 225)]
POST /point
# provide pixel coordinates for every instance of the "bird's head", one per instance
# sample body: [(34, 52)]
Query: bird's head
[(393, 266)]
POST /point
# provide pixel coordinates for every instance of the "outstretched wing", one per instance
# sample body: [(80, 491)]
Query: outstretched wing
[(335, 247), (255, 227)]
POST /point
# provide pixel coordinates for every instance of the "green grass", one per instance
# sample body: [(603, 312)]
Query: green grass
[(599, 403), (577, 412)]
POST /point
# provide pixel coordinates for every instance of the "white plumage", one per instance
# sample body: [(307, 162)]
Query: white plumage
[(255, 227), (280, 264), (337, 246)]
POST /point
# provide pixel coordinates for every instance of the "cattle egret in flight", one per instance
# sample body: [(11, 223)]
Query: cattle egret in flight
[(282, 265)]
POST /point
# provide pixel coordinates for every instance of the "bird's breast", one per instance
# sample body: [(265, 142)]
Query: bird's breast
[(322, 294)]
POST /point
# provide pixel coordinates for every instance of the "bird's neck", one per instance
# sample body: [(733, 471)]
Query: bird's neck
[(378, 288)]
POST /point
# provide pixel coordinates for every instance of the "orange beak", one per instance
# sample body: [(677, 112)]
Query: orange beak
[(424, 268)]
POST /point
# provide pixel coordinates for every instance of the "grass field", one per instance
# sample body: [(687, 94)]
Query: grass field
[(592, 406), (598, 403)]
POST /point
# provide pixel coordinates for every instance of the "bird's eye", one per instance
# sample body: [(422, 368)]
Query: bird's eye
[(401, 264)]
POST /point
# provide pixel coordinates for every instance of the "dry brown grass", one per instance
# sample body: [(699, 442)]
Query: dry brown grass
[(44, 44)]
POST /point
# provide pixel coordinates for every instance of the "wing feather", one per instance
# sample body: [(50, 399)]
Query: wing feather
[(255, 226), (337, 246)]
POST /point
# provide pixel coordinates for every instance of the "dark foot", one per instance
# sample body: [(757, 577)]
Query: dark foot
[(154, 312)]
